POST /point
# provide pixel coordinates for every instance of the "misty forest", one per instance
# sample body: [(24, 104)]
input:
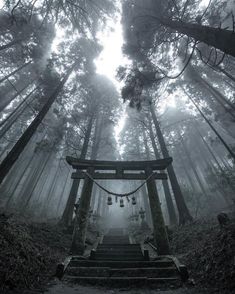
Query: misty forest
[(117, 146)]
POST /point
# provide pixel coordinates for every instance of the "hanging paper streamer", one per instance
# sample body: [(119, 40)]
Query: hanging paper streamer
[(127, 198), (116, 199)]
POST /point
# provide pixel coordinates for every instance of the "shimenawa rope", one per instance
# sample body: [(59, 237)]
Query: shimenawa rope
[(118, 194)]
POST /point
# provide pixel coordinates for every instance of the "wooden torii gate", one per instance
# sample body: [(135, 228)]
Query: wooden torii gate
[(119, 170)]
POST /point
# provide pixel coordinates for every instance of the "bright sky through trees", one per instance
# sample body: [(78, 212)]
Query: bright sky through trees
[(111, 57)]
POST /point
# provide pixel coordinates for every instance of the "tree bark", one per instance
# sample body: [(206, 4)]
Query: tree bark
[(69, 208), (28, 190), (15, 152), (11, 118), (230, 151), (219, 98), (143, 189), (184, 215), (190, 161), (13, 72), (224, 72), (4, 103), (94, 151), (10, 44), (165, 183), (62, 194), (221, 39)]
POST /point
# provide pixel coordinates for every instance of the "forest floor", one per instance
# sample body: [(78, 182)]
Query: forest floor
[(30, 252)]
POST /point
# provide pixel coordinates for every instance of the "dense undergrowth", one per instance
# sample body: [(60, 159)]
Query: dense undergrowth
[(208, 250), (29, 253)]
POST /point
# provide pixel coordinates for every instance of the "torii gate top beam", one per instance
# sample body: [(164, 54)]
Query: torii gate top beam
[(84, 164)]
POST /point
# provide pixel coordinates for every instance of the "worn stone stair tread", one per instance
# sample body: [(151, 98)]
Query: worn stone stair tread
[(127, 279), (116, 252), (124, 278), (148, 272), (111, 258), (143, 269), (121, 264), (88, 271), (118, 245)]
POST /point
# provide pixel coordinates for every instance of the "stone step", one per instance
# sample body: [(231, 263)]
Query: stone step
[(120, 264), (88, 271), (126, 272), (118, 251), (116, 240), (119, 245), (119, 248), (125, 281), (111, 247), (115, 231), (144, 272), (118, 257)]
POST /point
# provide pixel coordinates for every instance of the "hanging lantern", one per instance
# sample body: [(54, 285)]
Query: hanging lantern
[(121, 203), (133, 201), (109, 202)]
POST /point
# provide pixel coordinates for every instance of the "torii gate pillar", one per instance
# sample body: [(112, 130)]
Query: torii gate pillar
[(80, 226), (159, 228)]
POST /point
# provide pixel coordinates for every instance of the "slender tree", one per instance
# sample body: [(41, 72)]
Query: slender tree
[(13, 155), (184, 215)]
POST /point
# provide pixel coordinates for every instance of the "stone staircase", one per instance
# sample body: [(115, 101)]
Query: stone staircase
[(116, 262)]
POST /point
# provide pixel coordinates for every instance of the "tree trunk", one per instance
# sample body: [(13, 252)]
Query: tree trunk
[(230, 151), (190, 161), (143, 189), (62, 194), (11, 118), (219, 98), (221, 39), (209, 150), (224, 72), (13, 155), (10, 44), (165, 183), (4, 103), (214, 170), (50, 193), (94, 151), (17, 182), (69, 208), (184, 215), (13, 72)]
